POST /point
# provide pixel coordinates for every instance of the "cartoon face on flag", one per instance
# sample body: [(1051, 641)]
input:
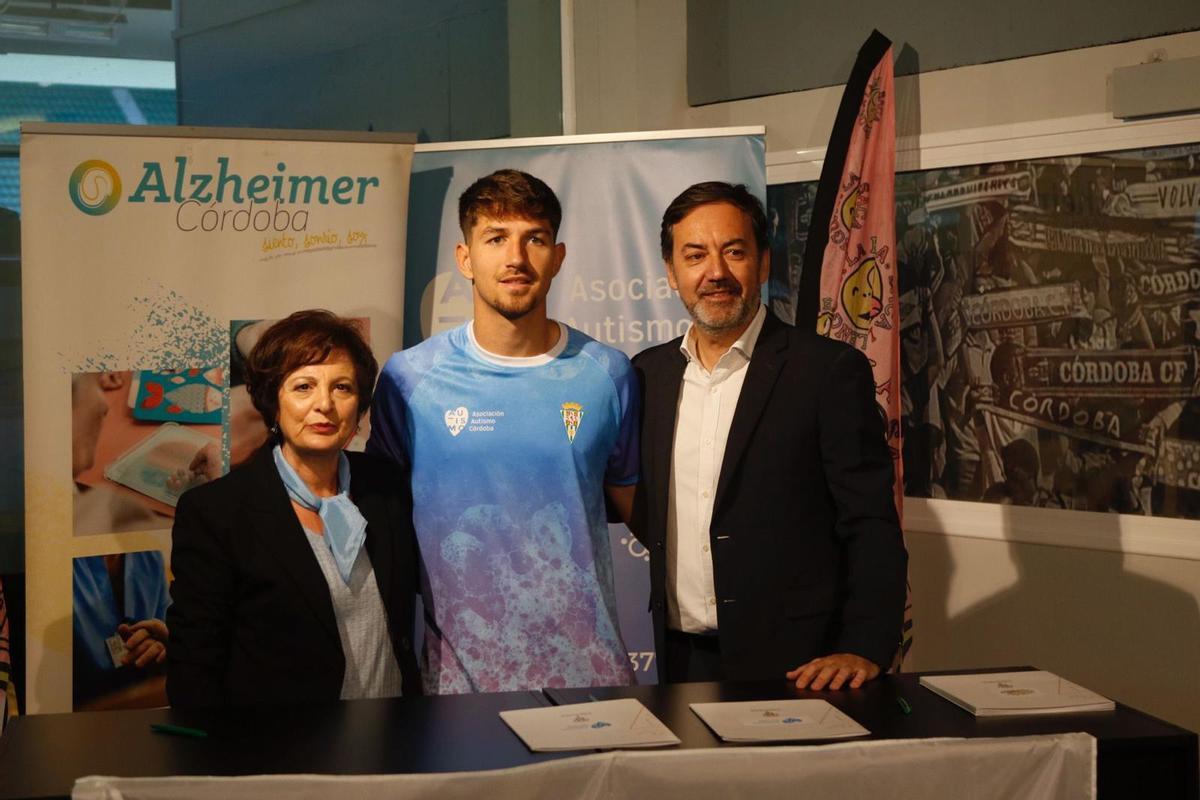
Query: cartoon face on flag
[(848, 285), (859, 297), (862, 291)]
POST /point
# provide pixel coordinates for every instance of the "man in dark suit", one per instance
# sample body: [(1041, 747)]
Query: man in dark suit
[(766, 485)]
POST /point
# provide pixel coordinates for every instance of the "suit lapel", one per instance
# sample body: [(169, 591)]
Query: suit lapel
[(662, 408), (761, 374), (286, 541)]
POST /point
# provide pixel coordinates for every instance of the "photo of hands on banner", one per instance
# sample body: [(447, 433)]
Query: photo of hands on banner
[(1050, 323), (139, 439), (119, 604)]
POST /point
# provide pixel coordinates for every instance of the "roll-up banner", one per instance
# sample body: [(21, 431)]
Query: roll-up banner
[(613, 286), (150, 258)]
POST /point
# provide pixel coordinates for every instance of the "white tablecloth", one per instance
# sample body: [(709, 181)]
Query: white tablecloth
[(1059, 767)]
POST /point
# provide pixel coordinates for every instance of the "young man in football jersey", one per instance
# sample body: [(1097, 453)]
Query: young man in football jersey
[(516, 428)]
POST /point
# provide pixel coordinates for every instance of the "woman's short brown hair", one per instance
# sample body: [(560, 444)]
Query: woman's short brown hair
[(306, 337)]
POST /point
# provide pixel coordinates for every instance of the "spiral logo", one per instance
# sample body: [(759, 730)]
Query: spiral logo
[(95, 187)]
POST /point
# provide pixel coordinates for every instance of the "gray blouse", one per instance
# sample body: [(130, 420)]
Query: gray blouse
[(371, 668)]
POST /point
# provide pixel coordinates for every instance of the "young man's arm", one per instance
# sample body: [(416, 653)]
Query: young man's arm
[(388, 418), (623, 463)]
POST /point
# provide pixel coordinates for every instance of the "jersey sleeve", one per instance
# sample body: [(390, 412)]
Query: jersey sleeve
[(389, 426), (624, 461)]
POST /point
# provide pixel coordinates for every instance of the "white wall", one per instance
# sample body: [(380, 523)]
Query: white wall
[(631, 74), (1124, 624)]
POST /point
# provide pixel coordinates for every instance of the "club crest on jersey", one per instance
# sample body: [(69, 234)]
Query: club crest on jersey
[(572, 415), (456, 419)]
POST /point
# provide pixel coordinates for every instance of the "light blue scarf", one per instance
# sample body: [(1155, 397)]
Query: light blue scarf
[(345, 527)]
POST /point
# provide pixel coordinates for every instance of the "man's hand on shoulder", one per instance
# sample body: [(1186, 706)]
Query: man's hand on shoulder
[(833, 671)]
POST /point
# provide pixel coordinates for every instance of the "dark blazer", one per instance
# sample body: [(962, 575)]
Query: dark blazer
[(807, 553), (251, 621)]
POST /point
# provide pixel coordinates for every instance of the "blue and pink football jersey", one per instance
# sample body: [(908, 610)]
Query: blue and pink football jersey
[(509, 459)]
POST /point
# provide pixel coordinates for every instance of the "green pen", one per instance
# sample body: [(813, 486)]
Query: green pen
[(904, 706), (178, 730)]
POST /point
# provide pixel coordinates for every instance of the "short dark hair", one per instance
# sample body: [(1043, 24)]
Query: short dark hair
[(306, 337), (505, 194), (702, 194)]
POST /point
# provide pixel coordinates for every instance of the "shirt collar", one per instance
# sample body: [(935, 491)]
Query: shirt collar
[(744, 343), (519, 361)]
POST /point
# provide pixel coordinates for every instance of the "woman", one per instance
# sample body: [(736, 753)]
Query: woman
[(295, 575)]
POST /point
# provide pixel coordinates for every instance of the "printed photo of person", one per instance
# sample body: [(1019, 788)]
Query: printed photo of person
[(138, 440), (118, 631)]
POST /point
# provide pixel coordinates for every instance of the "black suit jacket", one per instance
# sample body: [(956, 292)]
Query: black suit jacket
[(251, 620), (808, 557)]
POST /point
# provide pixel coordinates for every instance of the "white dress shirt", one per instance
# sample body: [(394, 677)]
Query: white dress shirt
[(706, 404)]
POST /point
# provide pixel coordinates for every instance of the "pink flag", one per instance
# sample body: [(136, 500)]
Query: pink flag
[(8, 706), (853, 278)]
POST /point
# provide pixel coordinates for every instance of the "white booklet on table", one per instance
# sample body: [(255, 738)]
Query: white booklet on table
[(997, 694), (602, 725), (777, 721)]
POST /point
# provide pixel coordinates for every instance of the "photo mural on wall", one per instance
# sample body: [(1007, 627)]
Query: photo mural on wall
[(1050, 322)]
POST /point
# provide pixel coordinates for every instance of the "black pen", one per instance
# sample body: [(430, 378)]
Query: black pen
[(178, 730)]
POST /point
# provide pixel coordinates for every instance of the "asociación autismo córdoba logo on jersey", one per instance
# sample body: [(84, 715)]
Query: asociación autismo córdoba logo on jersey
[(456, 419), (95, 187), (461, 419)]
